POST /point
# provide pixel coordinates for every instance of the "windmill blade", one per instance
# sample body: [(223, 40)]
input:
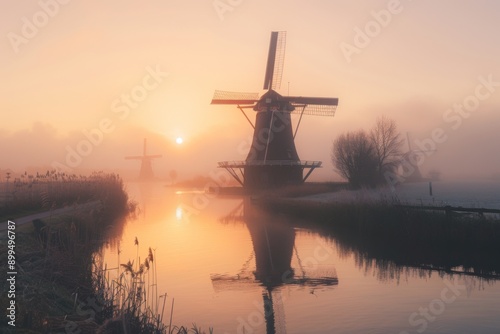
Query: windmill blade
[(320, 106), (275, 60), (314, 109), (224, 97), (312, 100)]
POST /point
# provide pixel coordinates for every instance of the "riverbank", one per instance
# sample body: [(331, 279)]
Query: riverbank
[(65, 211), (54, 263), (60, 282), (375, 228), (51, 191)]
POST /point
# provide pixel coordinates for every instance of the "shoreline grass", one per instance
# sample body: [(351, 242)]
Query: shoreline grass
[(54, 260), (131, 297), (33, 194), (62, 285), (380, 231)]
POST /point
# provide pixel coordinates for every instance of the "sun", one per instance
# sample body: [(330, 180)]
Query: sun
[(179, 140)]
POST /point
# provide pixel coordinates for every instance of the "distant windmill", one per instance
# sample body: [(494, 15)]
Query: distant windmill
[(273, 159), (412, 156), (146, 172)]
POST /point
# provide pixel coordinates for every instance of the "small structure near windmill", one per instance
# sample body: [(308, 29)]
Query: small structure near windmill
[(273, 160), (146, 172)]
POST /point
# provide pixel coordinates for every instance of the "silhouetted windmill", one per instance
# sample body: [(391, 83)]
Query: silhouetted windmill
[(146, 173), (273, 242), (273, 158), (412, 156)]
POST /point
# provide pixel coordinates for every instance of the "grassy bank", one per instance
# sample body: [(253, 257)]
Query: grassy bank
[(54, 258), (62, 286), (130, 294), (54, 190), (379, 231), (306, 189)]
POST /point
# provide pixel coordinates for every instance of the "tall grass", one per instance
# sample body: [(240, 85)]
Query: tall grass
[(55, 263), (62, 285), (132, 296), (51, 190)]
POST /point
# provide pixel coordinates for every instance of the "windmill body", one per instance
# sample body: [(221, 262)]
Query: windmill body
[(273, 159)]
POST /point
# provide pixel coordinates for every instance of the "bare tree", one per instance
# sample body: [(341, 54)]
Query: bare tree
[(364, 158), (387, 143), (354, 157)]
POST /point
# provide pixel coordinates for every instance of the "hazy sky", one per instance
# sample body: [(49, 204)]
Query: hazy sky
[(149, 69)]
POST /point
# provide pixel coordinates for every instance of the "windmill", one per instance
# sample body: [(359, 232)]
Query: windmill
[(146, 173), (273, 241), (273, 159)]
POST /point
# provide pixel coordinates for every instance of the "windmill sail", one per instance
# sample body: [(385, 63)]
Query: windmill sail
[(312, 100), (315, 109), (275, 60), (319, 106), (225, 97)]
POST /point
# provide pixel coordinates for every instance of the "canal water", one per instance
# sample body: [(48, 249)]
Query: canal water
[(228, 266)]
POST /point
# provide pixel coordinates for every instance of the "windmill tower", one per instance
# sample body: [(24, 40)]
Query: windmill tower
[(273, 160), (146, 173)]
